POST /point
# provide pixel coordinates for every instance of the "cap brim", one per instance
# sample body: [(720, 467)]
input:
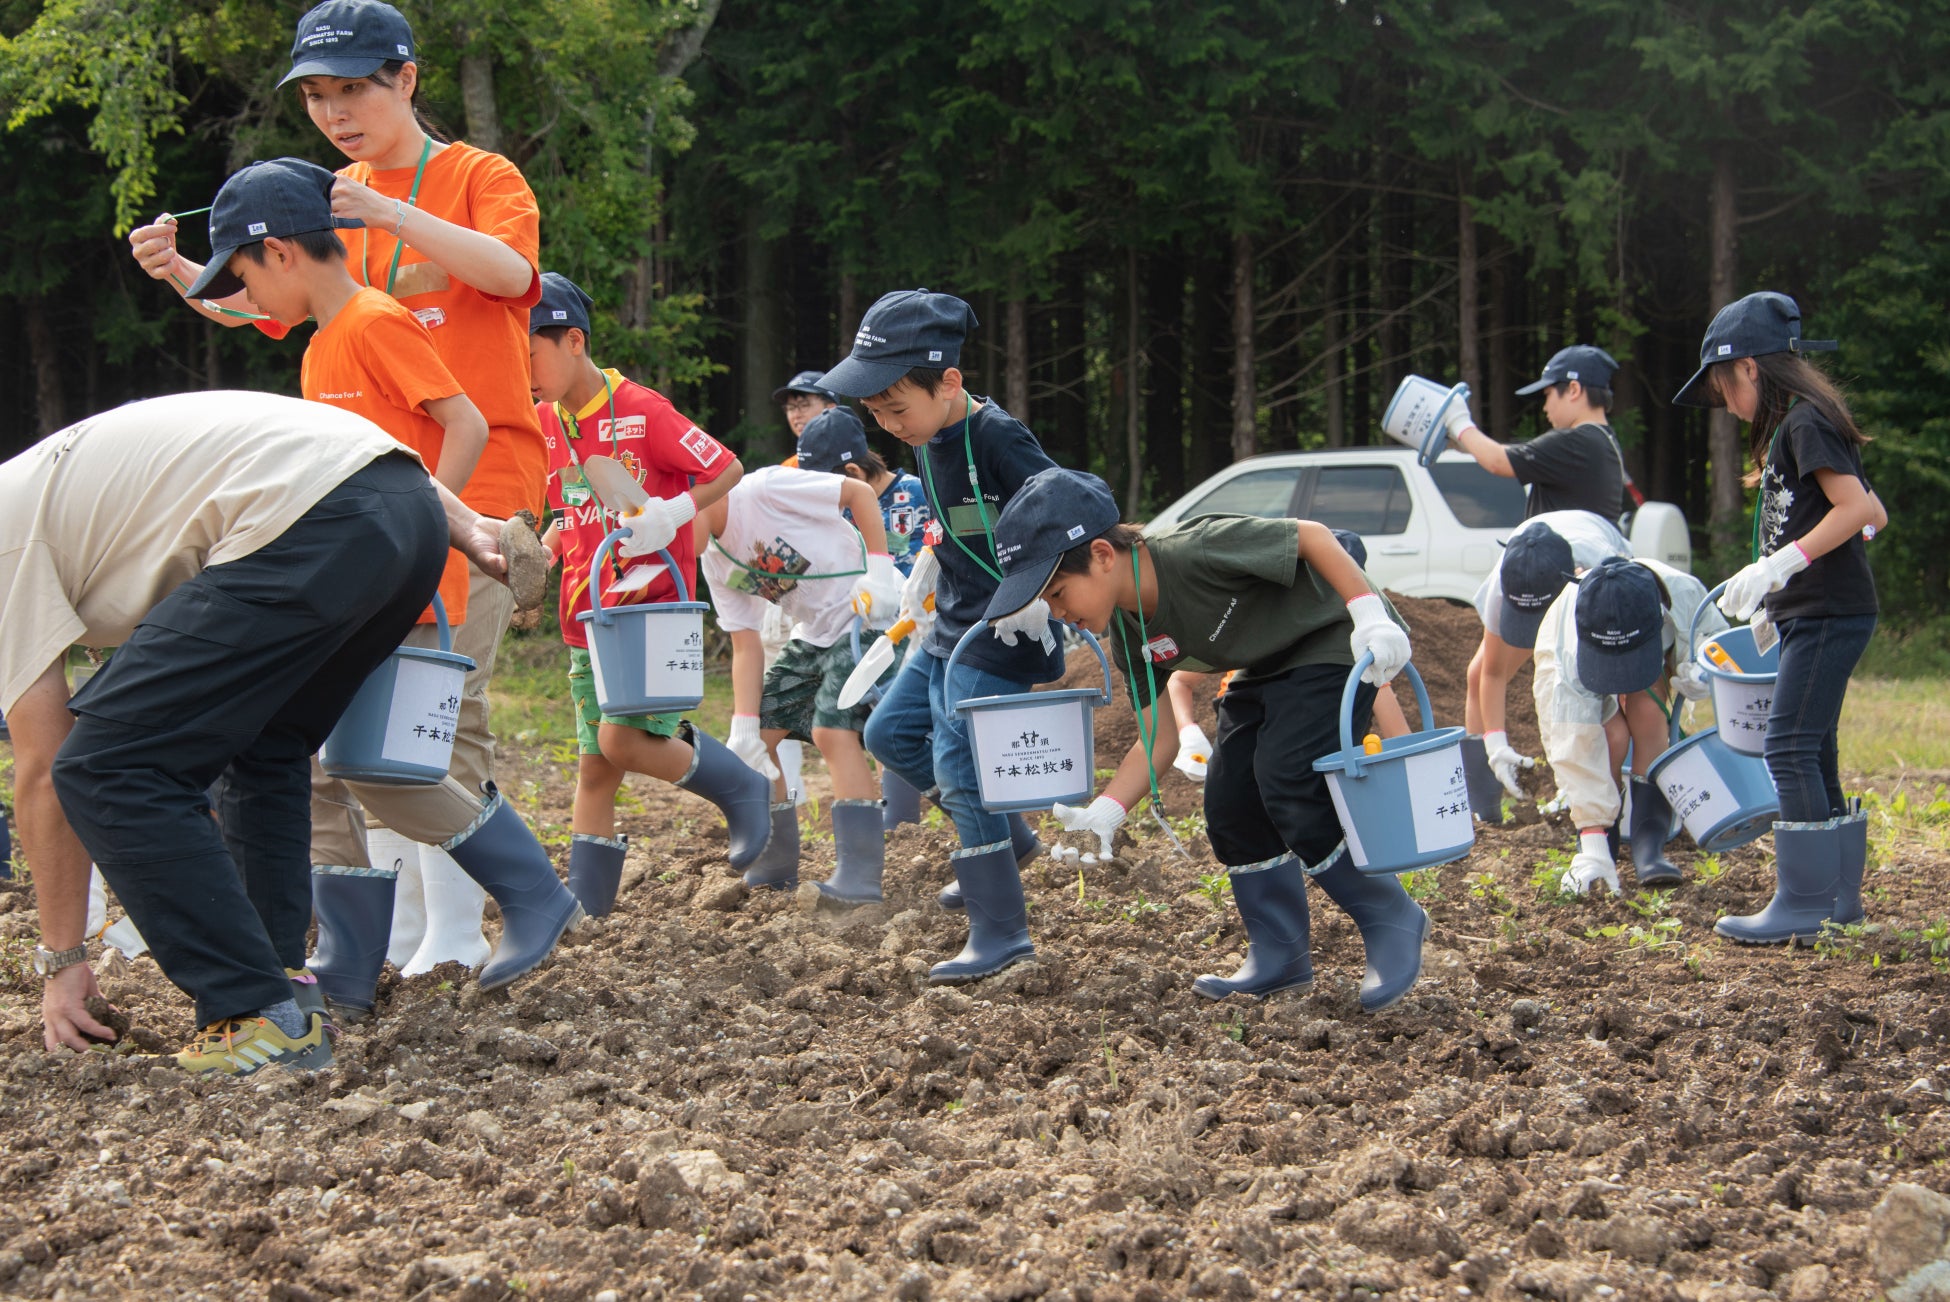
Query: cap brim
[(1020, 587), (858, 378), (335, 68), (785, 391), (1699, 391), (217, 280), (1518, 627), (1614, 673), (1538, 387)]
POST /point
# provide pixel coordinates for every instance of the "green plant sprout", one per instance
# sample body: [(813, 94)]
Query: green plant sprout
[(1215, 886)]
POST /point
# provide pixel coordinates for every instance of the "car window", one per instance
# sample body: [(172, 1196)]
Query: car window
[(1365, 499), (1266, 493), (1479, 499)]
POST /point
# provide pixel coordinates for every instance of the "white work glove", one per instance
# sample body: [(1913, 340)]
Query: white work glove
[(1103, 816), (1689, 681), (1194, 752), (1375, 633), (1032, 619), (1747, 589), (1586, 871), (1505, 762), (654, 527), (775, 631), (744, 742), (877, 593), (1456, 419)]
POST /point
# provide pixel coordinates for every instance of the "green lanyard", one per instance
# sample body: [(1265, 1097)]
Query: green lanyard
[(214, 307), (777, 577), (399, 245), (975, 483), (572, 427), (1147, 732)]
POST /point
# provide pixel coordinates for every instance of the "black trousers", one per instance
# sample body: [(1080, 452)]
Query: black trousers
[(240, 674), (1262, 796)]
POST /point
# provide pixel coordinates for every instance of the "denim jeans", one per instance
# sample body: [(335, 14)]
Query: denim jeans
[(1817, 656), (914, 732)]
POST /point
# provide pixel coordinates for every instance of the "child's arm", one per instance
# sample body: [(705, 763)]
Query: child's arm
[(1489, 454), (1132, 781), (711, 490), (1852, 508), (858, 497), (552, 539), (1374, 632), (154, 249), (465, 438)]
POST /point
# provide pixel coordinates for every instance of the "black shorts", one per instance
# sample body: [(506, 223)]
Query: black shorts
[(1262, 796)]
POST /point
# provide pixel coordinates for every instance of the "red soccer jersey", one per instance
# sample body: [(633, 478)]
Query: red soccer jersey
[(662, 448)]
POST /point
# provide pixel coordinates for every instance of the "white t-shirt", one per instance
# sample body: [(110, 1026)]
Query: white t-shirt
[(102, 520), (1592, 538), (781, 522)]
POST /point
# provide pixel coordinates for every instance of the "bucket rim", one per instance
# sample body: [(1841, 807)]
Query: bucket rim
[(1712, 670), (671, 607), (1666, 756), (1055, 696), (1423, 743), (451, 658)]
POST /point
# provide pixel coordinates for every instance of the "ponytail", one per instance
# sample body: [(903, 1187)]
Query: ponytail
[(388, 76)]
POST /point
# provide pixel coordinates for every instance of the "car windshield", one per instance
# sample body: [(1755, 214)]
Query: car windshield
[(1479, 499), (1267, 493)]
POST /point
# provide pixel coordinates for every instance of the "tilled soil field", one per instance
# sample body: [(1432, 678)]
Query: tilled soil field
[(716, 1096)]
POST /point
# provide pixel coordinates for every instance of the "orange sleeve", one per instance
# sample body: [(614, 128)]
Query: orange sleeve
[(501, 204), (400, 355)]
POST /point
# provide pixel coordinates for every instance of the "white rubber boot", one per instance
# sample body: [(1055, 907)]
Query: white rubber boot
[(453, 915), (388, 849)]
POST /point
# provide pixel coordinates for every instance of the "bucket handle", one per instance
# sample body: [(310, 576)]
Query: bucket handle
[(446, 634), (596, 569), (1353, 757), (1692, 642), (982, 626)]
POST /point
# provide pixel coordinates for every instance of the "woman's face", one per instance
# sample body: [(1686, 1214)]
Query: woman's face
[(364, 118), (1735, 383)]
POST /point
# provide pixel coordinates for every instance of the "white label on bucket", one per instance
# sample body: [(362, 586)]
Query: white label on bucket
[(1353, 833), (426, 709), (1742, 710), (1693, 788), (1440, 799), (1037, 753)]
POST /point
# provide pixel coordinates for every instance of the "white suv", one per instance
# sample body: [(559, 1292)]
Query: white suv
[(1433, 531)]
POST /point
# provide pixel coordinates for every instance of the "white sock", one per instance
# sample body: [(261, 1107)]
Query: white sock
[(1595, 843)]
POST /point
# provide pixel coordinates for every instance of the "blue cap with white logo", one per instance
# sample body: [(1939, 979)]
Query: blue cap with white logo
[(1755, 326), (349, 38), (278, 198), (1052, 512), (562, 304), (1581, 362), (1536, 565), (906, 329), (832, 440), (808, 382), (1621, 619)]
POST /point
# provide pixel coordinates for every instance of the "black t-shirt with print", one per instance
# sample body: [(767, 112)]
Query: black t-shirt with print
[(1575, 469), (1792, 503)]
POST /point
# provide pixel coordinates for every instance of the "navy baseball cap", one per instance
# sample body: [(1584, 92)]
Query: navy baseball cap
[(1052, 512), (277, 198), (1580, 362), (562, 304), (832, 439), (902, 330), (1351, 543), (805, 382), (1754, 326), (1536, 565), (349, 38), (1621, 620)]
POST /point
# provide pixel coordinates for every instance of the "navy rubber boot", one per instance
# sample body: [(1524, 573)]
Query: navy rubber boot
[(1807, 880), (1651, 829), (1855, 859), (998, 916), (1022, 841), (777, 869), (902, 801), (1393, 927), (595, 872), (501, 854), (1279, 956), (1485, 792), (860, 845), (355, 922), (743, 793)]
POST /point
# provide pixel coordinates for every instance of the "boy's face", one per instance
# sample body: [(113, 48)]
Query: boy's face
[(1089, 599), (800, 408), (913, 415), (1564, 405), (552, 365), (276, 286)]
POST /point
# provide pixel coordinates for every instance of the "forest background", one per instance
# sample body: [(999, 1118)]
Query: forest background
[(1192, 231)]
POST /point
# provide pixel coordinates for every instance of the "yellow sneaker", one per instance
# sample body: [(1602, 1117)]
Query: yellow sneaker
[(241, 1045)]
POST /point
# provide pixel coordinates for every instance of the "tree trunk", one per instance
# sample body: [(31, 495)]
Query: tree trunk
[(51, 408), (212, 356), (1501, 377), (477, 101), (1015, 366), (1245, 405), (1723, 430), (1069, 368), (1206, 360), (764, 363), (1360, 355), (1332, 347), (1164, 382), (1469, 357), (850, 313), (1133, 452)]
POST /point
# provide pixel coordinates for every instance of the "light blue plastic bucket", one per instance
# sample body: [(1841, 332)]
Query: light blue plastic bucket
[(1407, 807), (1414, 415), (647, 659), (1031, 749), (1723, 797), (399, 729), (1743, 700)]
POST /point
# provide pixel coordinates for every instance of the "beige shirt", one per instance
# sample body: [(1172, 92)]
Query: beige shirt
[(105, 518)]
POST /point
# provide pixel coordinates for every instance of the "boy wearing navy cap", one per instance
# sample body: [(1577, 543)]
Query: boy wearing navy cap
[(804, 397), (905, 367), (587, 411), (1284, 603), (1602, 649)]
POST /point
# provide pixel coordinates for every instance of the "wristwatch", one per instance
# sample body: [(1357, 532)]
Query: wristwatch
[(49, 961)]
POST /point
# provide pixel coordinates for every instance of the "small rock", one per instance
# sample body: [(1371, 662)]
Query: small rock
[(483, 1123), (513, 1046), (1586, 1202), (355, 1108), (1526, 1013), (664, 1200), (1318, 1034), (1636, 1235), (1908, 1230), (416, 1111), (720, 897), (889, 1196), (1809, 1284), (705, 1172)]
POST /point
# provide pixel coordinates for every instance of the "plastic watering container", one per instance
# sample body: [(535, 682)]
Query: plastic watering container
[(1407, 805), (1742, 678), (1031, 749), (399, 729), (1414, 415), (1722, 796), (648, 658)]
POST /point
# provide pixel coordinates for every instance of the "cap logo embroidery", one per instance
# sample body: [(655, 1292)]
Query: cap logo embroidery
[(258, 228), (1570, 375), (1076, 532), (1724, 349), (934, 354), (559, 315), (404, 53)]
